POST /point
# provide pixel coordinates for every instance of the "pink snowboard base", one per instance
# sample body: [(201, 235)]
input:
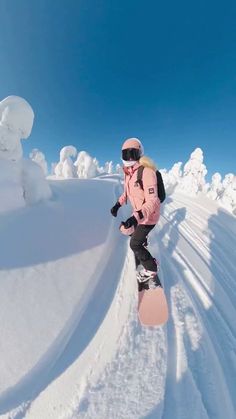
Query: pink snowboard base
[(152, 307)]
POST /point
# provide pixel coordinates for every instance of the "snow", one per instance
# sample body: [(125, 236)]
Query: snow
[(11, 191), (22, 181), (86, 166), (16, 122), (188, 179), (216, 187), (191, 181), (80, 165), (35, 186), (38, 157), (65, 167), (71, 345), (228, 196)]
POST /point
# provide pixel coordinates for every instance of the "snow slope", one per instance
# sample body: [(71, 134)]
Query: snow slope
[(71, 346)]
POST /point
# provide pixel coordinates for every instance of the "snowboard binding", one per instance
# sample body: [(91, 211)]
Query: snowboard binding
[(147, 280)]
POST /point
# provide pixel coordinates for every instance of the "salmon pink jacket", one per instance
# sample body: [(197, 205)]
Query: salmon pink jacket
[(145, 200)]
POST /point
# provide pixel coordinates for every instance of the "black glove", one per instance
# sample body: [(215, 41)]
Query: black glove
[(130, 222), (114, 209)]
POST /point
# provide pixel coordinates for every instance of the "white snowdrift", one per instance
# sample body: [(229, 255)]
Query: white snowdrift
[(68, 308)]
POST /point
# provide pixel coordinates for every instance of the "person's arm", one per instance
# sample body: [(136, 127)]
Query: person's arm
[(122, 199)]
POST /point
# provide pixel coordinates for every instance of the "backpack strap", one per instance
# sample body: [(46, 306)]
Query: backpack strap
[(161, 187), (140, 182), (125, 191), (160, 183), (140, 176)]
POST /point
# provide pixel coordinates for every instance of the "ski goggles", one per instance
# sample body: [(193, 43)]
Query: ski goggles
[(131, 154)]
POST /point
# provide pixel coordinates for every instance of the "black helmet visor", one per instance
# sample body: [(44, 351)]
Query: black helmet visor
[(131, 154)]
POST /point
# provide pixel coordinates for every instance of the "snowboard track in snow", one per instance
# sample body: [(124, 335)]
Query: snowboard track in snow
[(153, 373), (197, 368)]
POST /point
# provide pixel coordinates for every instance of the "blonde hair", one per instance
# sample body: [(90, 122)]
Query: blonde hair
[(147, 162)]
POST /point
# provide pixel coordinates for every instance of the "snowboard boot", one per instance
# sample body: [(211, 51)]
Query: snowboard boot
[(147, 279), (138, 264), (157, 264), (146, 243)]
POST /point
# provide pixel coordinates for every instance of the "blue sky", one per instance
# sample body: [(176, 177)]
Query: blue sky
[(97, 72)]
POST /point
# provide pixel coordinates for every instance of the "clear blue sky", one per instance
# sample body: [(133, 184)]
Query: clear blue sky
[(99, 71)]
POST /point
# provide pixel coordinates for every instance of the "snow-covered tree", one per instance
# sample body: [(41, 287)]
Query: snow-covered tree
[(35, 185), (16, 122), (173, 177), (86, 166), (119, 169), (38, 157), (53, 167), (215, 188), (228, 195), (22, 181), (65, 167), (108, 167), (193, 179), (68, 169)]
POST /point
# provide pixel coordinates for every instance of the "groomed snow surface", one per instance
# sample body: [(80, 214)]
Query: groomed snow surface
[(71, 345)]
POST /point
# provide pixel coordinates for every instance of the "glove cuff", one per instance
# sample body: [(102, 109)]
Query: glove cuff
[(138, 215)]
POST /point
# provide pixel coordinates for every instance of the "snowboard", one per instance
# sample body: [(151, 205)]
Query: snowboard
[(152, 305)]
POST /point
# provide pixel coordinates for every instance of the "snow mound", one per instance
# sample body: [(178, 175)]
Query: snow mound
[(68, 304)]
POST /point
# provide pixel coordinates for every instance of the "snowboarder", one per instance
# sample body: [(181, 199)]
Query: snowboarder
[(146, 208)]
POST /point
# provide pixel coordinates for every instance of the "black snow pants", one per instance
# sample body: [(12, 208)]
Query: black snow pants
[(137, 242)]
